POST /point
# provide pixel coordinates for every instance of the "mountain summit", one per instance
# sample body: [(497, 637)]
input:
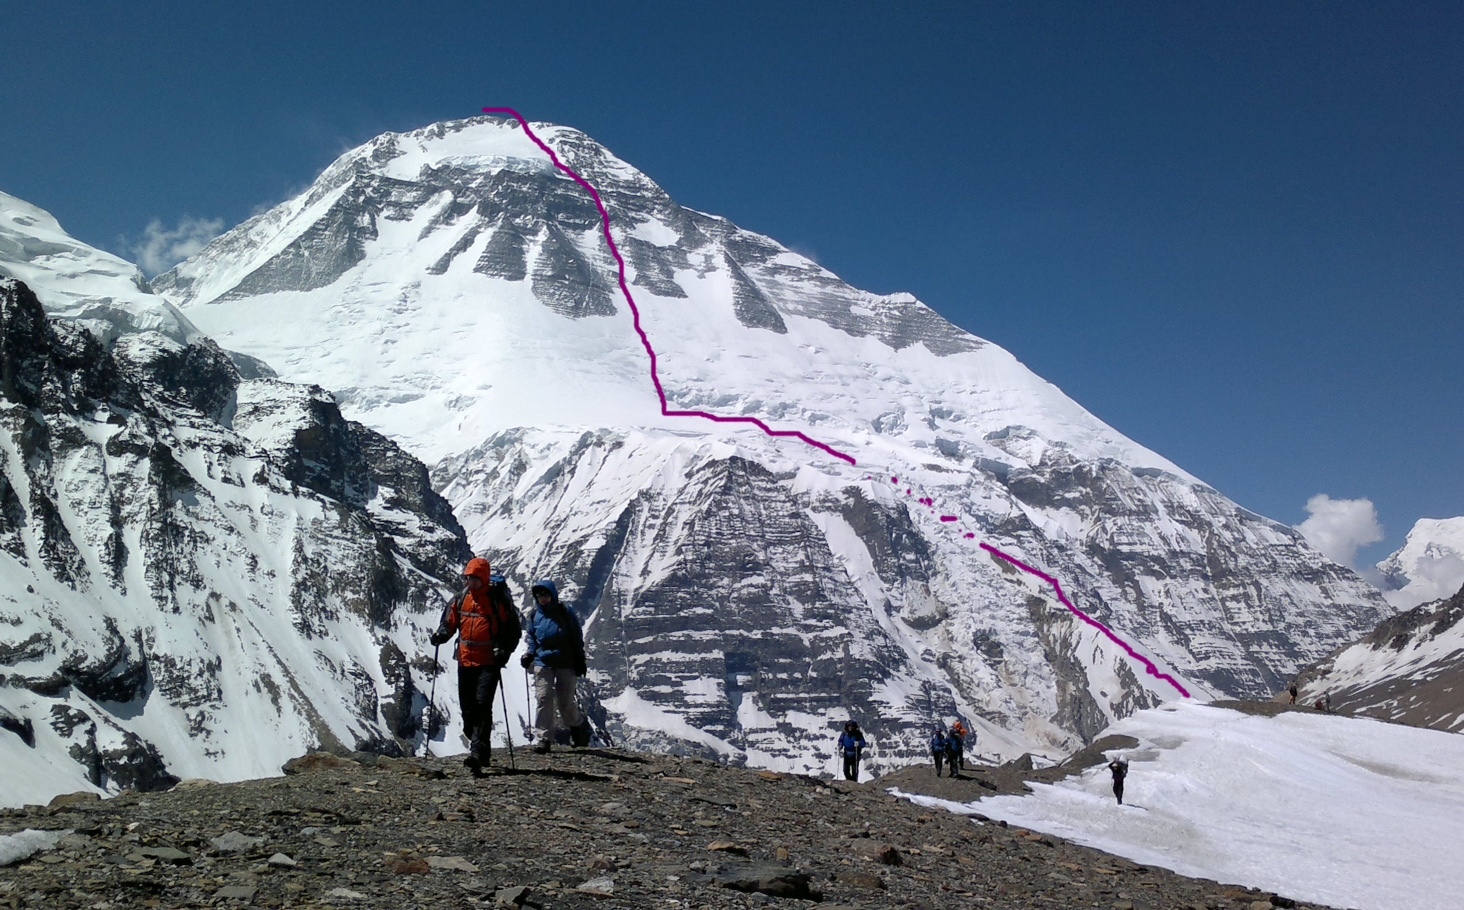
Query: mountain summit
[(745, 595)]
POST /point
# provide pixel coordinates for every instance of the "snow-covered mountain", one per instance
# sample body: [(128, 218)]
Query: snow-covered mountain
[(745, 594), (1409, 669), (1429, 565), (203, 570)]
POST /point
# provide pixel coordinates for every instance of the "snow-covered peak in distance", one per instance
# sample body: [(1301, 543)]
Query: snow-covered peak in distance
[(401, 274), (105, 293), (1429, 565)]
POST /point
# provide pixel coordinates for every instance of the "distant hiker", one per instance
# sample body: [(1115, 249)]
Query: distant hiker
[(556, 652), (956, 748), (1292, 692), (487, 625), (938, 748), (1327, 702), (1119, 768), (851, 744)]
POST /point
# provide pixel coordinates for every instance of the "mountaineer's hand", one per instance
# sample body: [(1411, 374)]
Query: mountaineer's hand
[(527, 660), (439, 637)]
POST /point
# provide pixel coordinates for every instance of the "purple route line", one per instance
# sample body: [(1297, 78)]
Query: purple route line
[(1148, 664), (666, 411), (635, 310)]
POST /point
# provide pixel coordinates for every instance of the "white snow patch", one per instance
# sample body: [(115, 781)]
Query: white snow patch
[(27, 843), (1343, 811)]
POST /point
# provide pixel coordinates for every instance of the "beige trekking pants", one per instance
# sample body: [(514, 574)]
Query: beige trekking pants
[(555, 689)]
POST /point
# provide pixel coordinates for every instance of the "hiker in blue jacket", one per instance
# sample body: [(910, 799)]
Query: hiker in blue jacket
[(556, 652), (938, 748), (851, 744), (955, 750)]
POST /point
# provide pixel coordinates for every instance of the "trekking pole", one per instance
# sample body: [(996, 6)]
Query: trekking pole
[(431, 704), (507, 724)]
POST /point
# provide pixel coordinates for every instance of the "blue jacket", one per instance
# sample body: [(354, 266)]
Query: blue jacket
[(938, 742), (555, 637), (954, 744), (851, 745)]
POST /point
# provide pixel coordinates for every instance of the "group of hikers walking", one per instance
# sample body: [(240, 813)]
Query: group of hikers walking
[(488, 629), (948, 747)]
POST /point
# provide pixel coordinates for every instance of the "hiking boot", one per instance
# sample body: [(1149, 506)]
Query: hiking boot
[(543, 746), (579, 736), (473, 764)]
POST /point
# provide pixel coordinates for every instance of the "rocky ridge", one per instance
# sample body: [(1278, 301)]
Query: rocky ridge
[(1409, 670), (191, 561), (594, 828)]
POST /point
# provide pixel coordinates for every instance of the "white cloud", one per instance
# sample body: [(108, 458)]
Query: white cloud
[(160, 249), (1338, 527)]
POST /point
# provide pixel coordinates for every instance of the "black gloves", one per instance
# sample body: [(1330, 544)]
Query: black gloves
[(580, 669), (439, 637), (527, 660), (500, 658)]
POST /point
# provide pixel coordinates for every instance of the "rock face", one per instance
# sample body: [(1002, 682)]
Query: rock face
[(1410, 669), (745, 595), (198, 573)]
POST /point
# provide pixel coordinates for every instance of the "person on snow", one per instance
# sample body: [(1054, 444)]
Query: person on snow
[(1292, 692), (488, 628), (938, 748), (851, 745), (956, 748), (1119, 768), (556, 652)]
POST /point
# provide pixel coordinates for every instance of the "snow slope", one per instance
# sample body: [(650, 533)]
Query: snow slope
[(1342, 811)]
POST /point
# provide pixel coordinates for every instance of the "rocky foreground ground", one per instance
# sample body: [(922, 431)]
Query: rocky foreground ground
[(593, 828)]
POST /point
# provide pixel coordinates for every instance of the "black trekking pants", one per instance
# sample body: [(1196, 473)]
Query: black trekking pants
[(1118, 789), (851, 767), (476, 688), (939, 760)]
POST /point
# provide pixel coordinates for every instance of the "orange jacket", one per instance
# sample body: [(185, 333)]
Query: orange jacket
[(487, 624)]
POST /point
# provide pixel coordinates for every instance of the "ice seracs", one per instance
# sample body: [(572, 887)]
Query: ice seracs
[(104, 292)]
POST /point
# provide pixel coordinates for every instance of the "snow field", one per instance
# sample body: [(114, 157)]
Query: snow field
[(1343, 811)]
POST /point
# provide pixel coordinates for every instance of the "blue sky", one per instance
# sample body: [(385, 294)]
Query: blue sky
[(1233, 231)]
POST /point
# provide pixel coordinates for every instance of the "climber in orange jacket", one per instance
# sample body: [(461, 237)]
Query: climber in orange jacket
[(488, 629)]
